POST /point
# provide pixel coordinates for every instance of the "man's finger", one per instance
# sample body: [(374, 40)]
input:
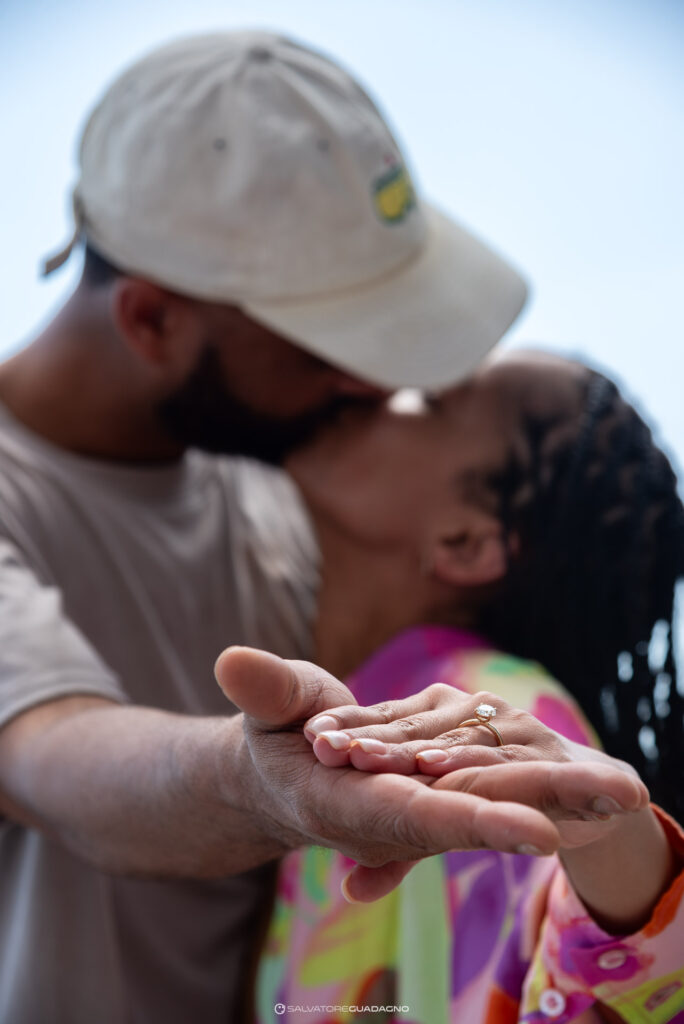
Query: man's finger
[(407, 819), (365, 885), (561, 790), (274, 691), (509, 827)]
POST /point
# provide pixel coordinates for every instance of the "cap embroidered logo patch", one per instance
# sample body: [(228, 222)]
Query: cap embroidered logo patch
[(393, 194)]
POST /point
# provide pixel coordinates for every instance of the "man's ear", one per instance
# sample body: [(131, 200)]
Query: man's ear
[(153, 322), (472, 556)]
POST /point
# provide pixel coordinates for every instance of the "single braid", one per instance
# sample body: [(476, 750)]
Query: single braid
[(600, 527)]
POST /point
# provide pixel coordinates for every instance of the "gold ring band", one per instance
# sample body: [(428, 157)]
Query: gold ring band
[(484, 713)]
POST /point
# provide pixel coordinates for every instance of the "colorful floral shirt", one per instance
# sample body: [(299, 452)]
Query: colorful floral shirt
[(475, 937)]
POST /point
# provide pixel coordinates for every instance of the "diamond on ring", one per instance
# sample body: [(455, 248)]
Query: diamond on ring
[(485, 712)]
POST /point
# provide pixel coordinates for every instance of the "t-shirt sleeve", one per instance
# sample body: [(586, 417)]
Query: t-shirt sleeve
[(42, 654)]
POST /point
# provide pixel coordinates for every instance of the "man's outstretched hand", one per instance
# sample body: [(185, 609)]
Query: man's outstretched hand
[(382, 821)]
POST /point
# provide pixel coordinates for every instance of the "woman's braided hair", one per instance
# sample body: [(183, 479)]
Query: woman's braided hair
[(590, 589)]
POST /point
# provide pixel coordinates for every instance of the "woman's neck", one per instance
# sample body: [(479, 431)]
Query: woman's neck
[(367, 596)]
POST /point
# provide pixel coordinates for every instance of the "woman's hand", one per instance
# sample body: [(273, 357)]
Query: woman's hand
[(581, 789), (613, 848)]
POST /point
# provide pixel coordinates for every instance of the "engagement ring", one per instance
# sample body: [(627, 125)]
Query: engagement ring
[(484, 714)]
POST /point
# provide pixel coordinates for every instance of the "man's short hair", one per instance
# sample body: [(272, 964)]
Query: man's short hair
[(97, 270)]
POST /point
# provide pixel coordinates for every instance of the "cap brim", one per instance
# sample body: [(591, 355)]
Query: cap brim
[(427, 325)]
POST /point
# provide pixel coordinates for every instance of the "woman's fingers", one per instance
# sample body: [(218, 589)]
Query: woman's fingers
[(425, 714), (387, 737), (433, 757), (371, 749)]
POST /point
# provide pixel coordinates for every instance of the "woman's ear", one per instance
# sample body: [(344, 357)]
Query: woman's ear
[(474, 555)]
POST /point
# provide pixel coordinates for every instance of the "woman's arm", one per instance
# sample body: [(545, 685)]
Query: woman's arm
[(620, 876)]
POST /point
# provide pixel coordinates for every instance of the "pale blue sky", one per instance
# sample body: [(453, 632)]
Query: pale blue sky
[(555, 128)]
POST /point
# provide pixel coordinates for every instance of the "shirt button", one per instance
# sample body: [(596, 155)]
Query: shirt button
[(552, 1002), (611, 959)]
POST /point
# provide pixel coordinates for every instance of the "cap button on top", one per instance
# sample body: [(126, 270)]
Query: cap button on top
[(261, 53)]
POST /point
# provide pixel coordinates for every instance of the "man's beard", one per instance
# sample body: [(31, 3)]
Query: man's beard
[(203, 413)]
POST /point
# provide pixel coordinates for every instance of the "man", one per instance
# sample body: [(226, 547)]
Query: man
[(256, 259)]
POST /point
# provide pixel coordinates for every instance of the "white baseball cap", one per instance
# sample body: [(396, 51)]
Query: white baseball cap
[(246, 168)]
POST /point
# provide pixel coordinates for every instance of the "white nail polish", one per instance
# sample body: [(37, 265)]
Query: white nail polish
[(320, 725), (432, 756), (369, 745), (337, 740)]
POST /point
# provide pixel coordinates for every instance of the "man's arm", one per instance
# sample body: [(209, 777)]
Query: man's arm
[(132, 790), (146, 792)]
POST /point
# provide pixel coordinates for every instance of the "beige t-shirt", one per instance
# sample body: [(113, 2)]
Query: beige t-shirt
[(126, 583)]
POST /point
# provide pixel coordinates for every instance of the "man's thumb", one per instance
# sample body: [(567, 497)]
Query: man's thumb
[(277, 692)]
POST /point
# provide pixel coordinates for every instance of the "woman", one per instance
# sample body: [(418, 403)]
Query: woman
[(528, 512)]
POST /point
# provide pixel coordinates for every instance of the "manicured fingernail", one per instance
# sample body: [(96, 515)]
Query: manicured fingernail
[(432, 756), (530, 851), (337, 740), (606, 805), (370, 746), (344, 887), (319, 725)]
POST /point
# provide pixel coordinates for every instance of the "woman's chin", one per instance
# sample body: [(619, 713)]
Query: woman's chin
[(324, 448), (306, 470)]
